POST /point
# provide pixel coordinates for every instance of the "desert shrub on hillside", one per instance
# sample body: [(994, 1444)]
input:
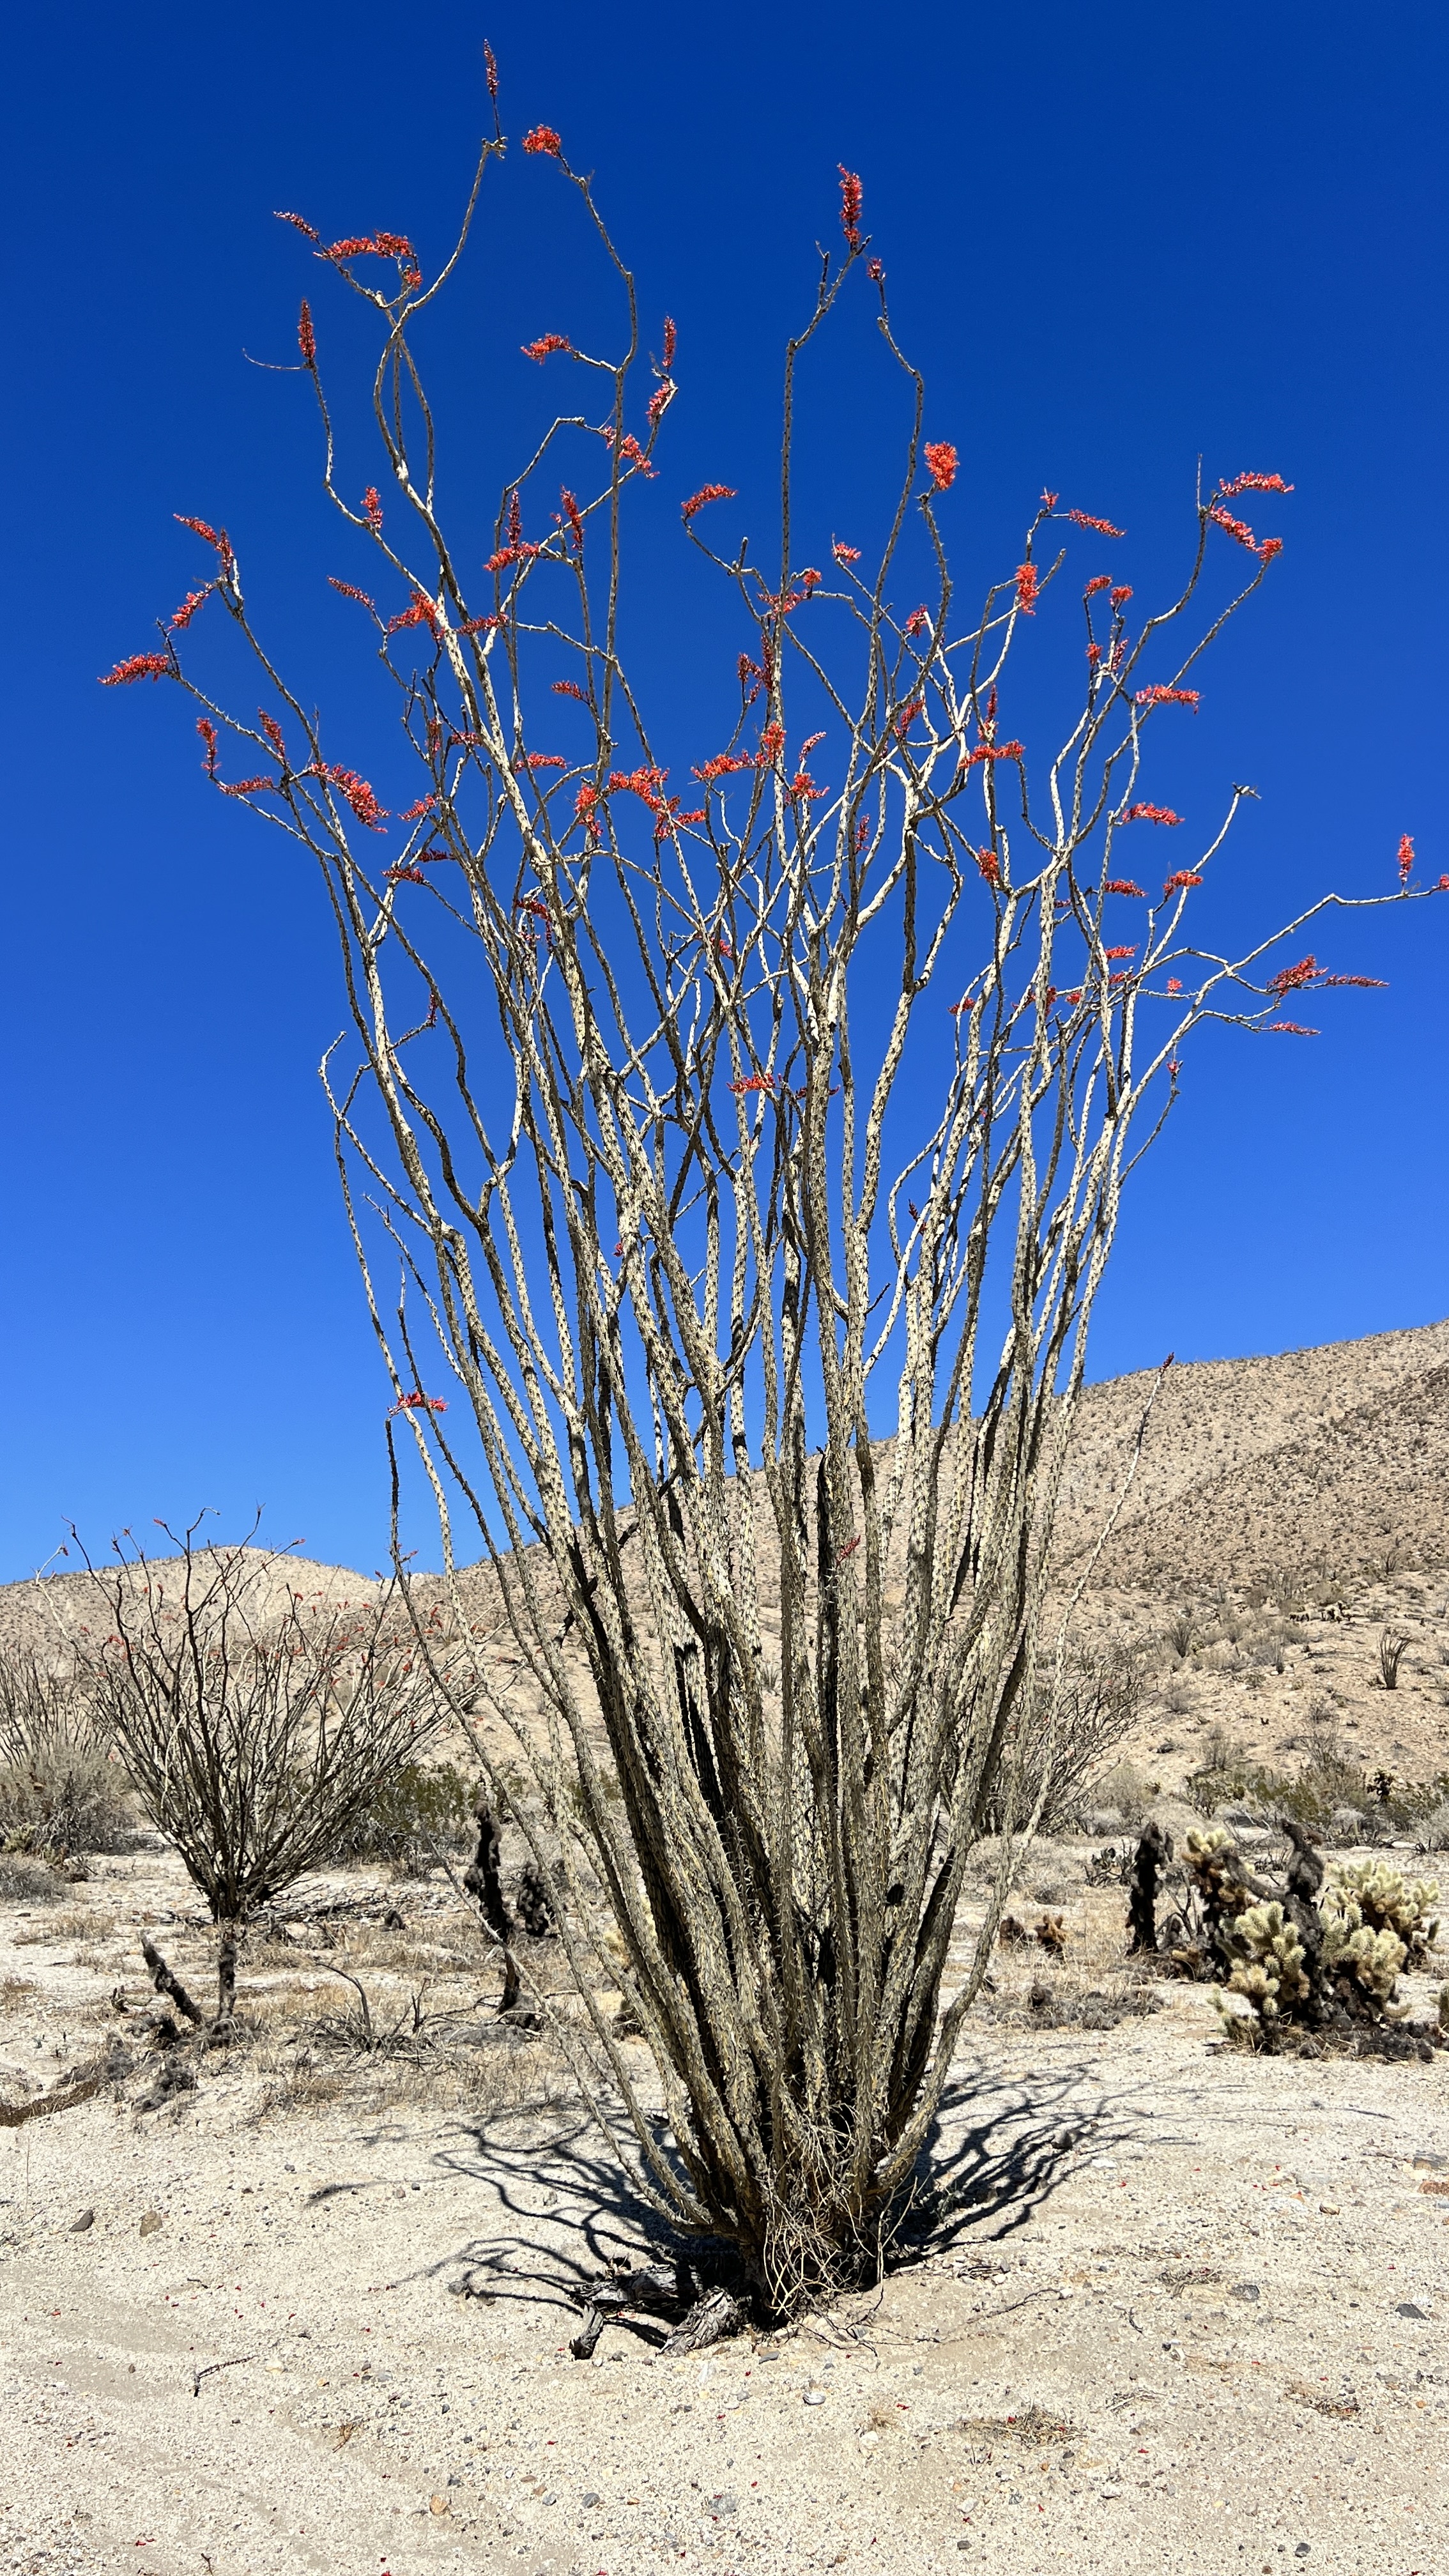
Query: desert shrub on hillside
[(62, 1788), (411, 1812)]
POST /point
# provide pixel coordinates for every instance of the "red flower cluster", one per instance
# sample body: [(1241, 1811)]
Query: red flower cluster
[(544, 139), (422, 612), (1104, 527), (137, 666), (844, 554), (658, 403), (852, 198), (941, 463), (723, 763), (421, 1404), (630, 450), (207, 731), (875, 271), (273, 732), (1119, 952), (772, 743), (1028, 584), (575, 519), (414, 813), (570, 689), (355, 792), (404, 875), (306, 336), (917, 622), (372, 509), (1253, 483), (1184, 877), (301, 223), (1124, 885), (1406, 848), (544, 760), (214, 537), (1291, 979), (1236, 528), (545, 347), (1151, 814), (368, 245), (1099, 581), (510, 555), (349, 592), (1161, 696), (994, 751), (671, 342), (490, 72), (990, 866), (1291, 1029), (706, 492), (754, 1082)]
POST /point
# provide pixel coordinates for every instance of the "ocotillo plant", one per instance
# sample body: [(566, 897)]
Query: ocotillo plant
[(751, 1158)]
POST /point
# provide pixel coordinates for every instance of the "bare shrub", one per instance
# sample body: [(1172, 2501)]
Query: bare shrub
[(695, 1128), (1124, 1789), (1059, 1743), (24, 1881), (256, 1740)]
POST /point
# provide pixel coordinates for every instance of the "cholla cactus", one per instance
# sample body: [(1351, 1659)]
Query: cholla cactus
[(1371, 1892), (1213, 1858), (1268, 1969), (1372, 1959)]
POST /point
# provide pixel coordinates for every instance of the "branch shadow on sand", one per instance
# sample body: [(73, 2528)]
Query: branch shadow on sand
[(563, 2210)]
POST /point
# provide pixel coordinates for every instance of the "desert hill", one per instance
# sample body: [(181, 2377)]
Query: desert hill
[(43, 1614), (1333, 1460)]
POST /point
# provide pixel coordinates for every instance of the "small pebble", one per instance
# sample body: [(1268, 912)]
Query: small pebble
[(79, 2225), (814, 2396)]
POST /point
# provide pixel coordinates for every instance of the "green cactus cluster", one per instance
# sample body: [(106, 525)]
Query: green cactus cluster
[(1380, 1897), (1371, 1923), (1268, 1965)]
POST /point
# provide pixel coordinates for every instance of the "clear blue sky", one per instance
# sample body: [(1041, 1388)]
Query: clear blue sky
[(1117, 240)]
